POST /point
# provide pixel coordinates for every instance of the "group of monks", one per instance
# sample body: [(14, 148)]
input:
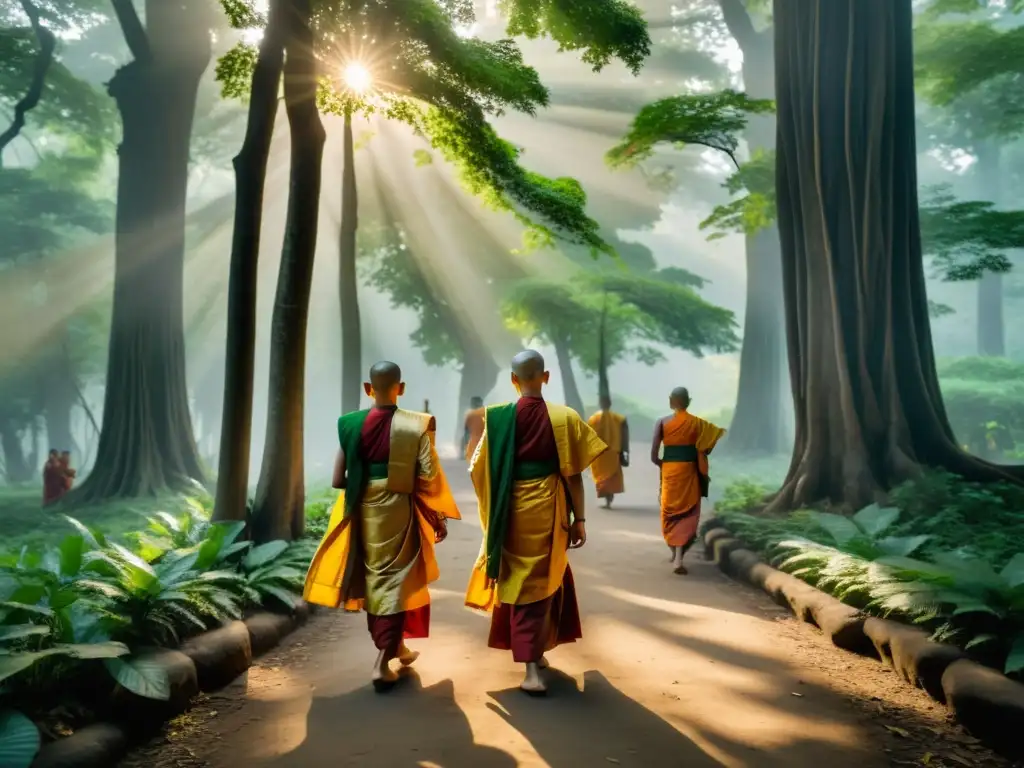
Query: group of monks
[(526, 460), (58, 476)]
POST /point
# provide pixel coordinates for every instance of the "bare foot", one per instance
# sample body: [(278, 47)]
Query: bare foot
[(543, 663), (532, 684), (680, 569), (407, 656)]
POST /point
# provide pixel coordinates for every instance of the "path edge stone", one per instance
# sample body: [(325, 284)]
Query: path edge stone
[(206, 662), (985, 702)]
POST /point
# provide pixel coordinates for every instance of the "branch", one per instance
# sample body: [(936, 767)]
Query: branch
[(736, 18), (44, 58), (131, 27)]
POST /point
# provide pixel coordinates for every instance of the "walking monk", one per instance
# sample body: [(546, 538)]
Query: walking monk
[(473, 427), (378, 553), (688, 440), (527, 473), (613, 429)]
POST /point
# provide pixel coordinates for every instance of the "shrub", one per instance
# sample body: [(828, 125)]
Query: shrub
[(984, 398)]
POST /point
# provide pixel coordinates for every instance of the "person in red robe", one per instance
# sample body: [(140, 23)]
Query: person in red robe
[(67, 472), (54, 485)]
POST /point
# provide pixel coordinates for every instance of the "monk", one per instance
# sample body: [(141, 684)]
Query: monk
[(527, 474), (688, 441), (68, 473), (378, 552), (613, 429), (473, 426), (54, 482)]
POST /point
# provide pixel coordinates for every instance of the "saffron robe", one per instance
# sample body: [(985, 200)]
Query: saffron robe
[(607, 468), (474, 428), (378, 552), (687, 441), (523, 558)]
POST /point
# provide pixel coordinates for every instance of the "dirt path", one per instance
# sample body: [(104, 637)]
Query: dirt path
[(691, 671)]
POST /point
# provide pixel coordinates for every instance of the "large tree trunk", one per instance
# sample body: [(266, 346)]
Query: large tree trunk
[(240, 351), (280, 493), (146, 443), (16, 466), (570, 388), (348, 289), (479, 375), (761, 422), (59, 391), (868, 408)]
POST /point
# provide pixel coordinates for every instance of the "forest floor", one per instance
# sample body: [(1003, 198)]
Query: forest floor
[(695, 671)]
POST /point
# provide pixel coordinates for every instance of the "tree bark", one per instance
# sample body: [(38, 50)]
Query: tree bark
[(59, 393), (479, 375), (761, 422), (240, 351), (869, 412), (570, 388), (146, 442), (348, 289), (280, 493), (16, 466)]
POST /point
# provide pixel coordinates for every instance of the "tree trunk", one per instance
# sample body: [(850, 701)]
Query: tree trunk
[(240, 351), (348, 289), (59, 391), (761, 418), (146, 442), (479, 375), (570, 388), (280, 493), (869, 411), (991, 332), (16, 465)]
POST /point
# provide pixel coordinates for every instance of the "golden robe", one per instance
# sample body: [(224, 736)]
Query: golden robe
[(688, 440), (535, 552), (380, 556), (607, 468)]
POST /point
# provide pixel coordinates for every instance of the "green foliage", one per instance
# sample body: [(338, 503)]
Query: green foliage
[(984, 400), (713, 120), (19, 739), (234, 71), (752, 211)]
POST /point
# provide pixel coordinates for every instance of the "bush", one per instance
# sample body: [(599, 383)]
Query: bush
[(984, 399)]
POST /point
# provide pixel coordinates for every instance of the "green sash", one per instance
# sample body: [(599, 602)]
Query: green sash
[(680, 453), (534, 470), (358, 473), (500, 426)]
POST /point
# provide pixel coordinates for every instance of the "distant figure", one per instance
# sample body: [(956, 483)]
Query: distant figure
[(473, 426), (527, 474), (69, 473), (426, 406), (688, 441), (54, 481), (378, 552), (613, 429)]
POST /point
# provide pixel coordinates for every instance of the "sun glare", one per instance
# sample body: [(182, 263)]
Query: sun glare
[(357, 77)]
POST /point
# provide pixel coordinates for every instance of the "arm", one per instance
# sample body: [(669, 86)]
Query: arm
[(339, 470), (625, 437), (578, 530), (656, 444)]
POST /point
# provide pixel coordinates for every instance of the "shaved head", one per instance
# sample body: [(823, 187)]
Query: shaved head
[(528, 374), (385, 385), (680, 397)]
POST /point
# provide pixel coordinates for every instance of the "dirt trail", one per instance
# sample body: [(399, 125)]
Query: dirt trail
[(693, 671)]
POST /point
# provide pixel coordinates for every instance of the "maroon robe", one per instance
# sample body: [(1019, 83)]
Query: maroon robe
[(531, 629), (55, 483), (388, 631)]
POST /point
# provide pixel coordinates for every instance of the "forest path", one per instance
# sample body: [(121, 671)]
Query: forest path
[(672, 671)]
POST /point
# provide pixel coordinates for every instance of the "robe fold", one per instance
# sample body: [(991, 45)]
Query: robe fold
[(522, 575), (687, 441), (607, 468), (378, 552)]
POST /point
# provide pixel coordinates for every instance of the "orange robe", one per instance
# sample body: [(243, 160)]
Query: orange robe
[(688, 440), (607, 468)]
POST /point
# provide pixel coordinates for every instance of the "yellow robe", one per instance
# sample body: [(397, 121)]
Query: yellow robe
[(536, 549), (382, 558), (607, 468)]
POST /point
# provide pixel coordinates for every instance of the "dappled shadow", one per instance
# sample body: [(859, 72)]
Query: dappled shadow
[(408, 726), (598, 725)]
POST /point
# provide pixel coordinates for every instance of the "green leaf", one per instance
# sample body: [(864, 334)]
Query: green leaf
[(19, 740), (105, 650), (902, 546), (263, 554), (72, 549), (13, 663), (1013, 571), (1015, 659), (841, 529), (875, 520), (141, 675), (18, 631)]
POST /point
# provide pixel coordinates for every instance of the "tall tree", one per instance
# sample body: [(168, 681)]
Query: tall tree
[(348, 289), (869, 411), (146, 443)]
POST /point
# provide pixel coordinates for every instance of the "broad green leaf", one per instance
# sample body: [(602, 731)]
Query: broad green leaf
[(841, 529), (93, 538), (72, 549), (901, 546), (969, 607), (18, 631), (19, 740), (38, 610), (969, 569), (263, 554), (141, 675), (287, 598), (106, 650), (13, 663), (1015, 659), (875, 520), (1013, 571)]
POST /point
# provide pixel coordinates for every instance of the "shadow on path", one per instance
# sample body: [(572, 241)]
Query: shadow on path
[(409, 726)]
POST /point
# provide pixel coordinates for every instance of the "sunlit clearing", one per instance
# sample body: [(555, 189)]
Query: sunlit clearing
[(672, 607), (357, 77)]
